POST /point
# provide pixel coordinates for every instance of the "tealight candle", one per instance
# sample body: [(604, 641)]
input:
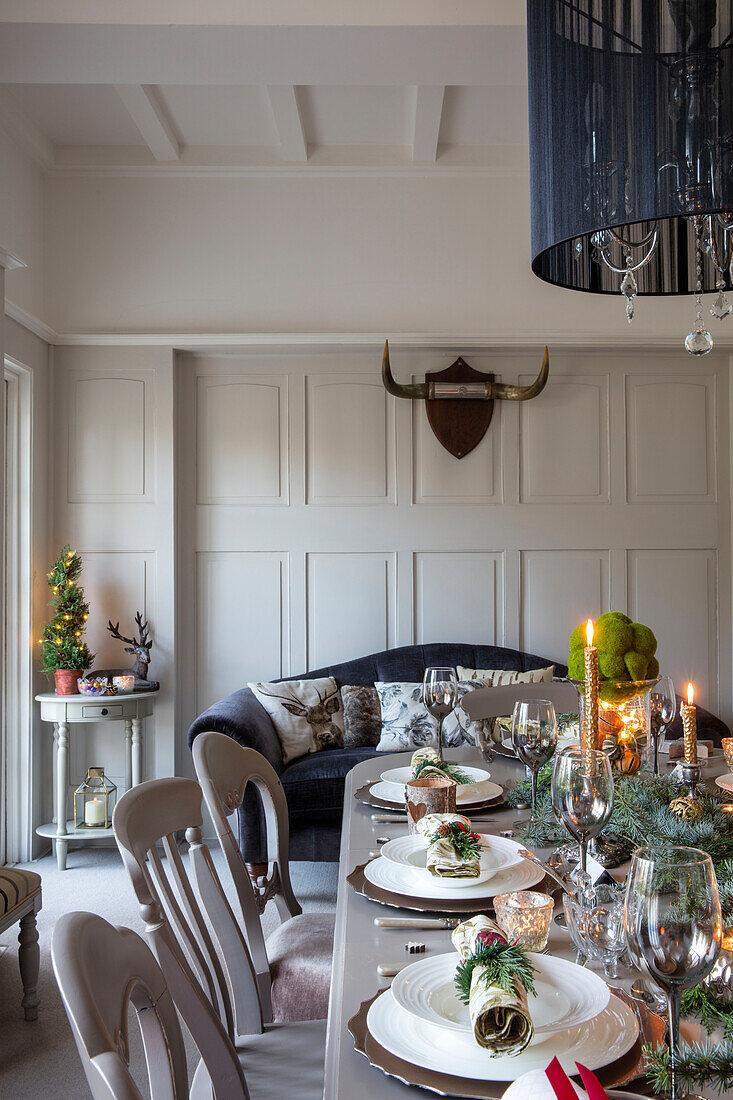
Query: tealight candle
[(689, 726), (525, 916)]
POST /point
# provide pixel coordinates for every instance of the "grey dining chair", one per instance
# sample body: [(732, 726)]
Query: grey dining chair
[(494, 702), (293, 967), (199, 945)]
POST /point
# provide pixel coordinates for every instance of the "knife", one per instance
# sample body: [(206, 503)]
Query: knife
[(416, 922)]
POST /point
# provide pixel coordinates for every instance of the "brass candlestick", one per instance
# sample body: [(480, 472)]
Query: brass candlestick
[(589, 732)]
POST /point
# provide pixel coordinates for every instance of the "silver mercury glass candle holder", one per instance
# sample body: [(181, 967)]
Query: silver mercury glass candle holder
[(691, 777)]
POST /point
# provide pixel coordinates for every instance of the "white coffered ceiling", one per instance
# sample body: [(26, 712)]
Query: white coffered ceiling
[(97, 85)]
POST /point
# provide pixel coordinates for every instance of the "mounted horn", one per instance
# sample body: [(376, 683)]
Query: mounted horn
[(523, 393), (415, 392)]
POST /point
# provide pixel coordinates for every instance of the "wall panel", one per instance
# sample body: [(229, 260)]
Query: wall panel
[(350, 440), (676, 592), (560, 588), (439, 478), (459, 597), (242, 621), (350, 605), (242, 439)]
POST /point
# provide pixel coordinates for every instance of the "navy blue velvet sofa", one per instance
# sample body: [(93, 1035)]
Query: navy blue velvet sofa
[(314, 784)]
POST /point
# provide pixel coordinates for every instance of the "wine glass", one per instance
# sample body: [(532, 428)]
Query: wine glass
[(534, 737), (440, 696), (605, 932), (673, 924), (663, 702), (582, 794)]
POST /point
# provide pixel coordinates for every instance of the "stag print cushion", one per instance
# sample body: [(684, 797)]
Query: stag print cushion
[(307, 714), (407, 723), (362, 716)]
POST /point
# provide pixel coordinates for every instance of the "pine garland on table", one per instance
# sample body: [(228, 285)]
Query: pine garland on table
[(712, 1011), (696, 1065)]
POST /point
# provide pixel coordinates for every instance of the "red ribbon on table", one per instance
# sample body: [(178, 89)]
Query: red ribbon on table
[(563, 1087)]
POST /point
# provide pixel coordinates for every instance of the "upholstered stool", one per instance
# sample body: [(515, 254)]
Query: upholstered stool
[(300, 952), (20, 900)]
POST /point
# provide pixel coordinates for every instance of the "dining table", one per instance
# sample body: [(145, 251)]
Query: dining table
[(360, 946)]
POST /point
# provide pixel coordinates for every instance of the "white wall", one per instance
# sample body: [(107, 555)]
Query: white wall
[(383, 253), (22, 225)]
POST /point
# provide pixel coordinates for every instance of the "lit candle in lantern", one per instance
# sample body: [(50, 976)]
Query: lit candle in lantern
[(589, 732), (94, 812), (689, 726)]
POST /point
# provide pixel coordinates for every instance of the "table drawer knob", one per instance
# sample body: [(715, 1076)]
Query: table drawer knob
[(103, 710)]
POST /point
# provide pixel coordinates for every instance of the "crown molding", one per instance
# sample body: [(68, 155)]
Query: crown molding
[(33, 324), (9, 261)]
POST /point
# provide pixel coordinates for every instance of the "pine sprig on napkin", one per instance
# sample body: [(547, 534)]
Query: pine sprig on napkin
[(503, 964), (450, 770), (467, 845)]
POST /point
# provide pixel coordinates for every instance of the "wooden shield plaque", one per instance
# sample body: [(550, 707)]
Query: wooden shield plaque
[(459, 424)]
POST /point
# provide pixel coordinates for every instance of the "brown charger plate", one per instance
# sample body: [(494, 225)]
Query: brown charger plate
[(364, 794), (618, 1074), (361, 885)]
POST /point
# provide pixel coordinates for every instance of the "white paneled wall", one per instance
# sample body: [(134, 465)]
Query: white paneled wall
[(351, 529), (309, 518)]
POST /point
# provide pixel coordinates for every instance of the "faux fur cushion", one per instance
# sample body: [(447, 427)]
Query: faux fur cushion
[(362, 715), (307, 714)]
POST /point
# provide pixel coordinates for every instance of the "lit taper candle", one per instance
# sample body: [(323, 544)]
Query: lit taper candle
[(689, 726), (589, 733)]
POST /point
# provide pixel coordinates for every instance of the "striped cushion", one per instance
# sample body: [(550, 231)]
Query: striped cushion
[(16, 886)]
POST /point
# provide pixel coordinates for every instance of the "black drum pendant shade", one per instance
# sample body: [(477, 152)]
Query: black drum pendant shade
[(631, 144)]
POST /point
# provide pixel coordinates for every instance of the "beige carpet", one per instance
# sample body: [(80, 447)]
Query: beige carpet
[(39, 1060)]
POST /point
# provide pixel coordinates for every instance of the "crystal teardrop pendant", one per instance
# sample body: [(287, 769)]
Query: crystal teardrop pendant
[(629, 310), (721, 307), (699, 341), (628, 285)]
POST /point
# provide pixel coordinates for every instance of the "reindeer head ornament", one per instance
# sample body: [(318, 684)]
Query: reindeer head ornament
[(459, 400)]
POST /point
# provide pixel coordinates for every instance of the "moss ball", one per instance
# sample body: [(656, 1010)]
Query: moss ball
[(644, 640), (578, 637), (637, 664), (612, 666), (614, 615), (612, 636), (653, 669), (576, 665)]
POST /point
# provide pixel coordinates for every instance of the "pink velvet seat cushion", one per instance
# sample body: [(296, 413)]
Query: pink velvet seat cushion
[(300, 953)]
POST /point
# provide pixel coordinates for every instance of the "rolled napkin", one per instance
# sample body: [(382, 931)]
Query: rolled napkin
[(453, 850), (427, 755), (493, 979), (429, 824)]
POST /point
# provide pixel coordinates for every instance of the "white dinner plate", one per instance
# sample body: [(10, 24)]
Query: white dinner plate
[(602, 1040), (416, 884), (497, 853), (465, 796), (400, 776), (567, 994), (725, 781)]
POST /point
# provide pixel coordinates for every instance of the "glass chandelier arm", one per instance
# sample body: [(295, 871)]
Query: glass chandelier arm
[(626, 242), (720, 267), (603, 253)]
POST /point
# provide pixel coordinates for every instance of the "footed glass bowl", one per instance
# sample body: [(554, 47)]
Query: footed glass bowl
[(97, 686), (624, 721)]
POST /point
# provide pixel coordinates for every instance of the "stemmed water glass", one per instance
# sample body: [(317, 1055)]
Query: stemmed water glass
[(440, 696), (663, 702), (534, 737), (673, 924), (582, 794)]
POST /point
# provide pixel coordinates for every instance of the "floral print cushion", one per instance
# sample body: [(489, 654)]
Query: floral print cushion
[(407, 723)]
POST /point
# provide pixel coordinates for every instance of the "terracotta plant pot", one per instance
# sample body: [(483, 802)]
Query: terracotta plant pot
[(67, 681)]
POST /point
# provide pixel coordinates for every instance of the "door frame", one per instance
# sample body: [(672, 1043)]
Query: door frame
[(17, 667)]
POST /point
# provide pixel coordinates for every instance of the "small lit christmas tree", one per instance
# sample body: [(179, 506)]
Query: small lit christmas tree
[(62, 646)]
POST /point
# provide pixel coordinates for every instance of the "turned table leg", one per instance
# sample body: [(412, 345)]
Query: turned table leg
[(55, 771), (128, 753), (137, 751), (62, 784), (29, 958)]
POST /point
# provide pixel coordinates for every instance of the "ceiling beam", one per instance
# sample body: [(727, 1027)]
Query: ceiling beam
[(288, 120), (426, 123), (24, 131), (149, 116)]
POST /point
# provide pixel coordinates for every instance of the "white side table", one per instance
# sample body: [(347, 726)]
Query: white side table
[(64, 710)]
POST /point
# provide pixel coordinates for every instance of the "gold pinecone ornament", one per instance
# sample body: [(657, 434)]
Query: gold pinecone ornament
[(686, 808)]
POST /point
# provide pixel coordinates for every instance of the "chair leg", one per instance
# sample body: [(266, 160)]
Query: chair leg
[(256, 870), (29, 961)]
